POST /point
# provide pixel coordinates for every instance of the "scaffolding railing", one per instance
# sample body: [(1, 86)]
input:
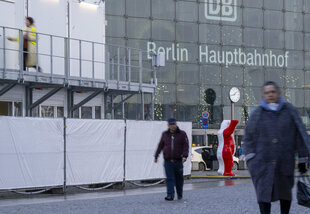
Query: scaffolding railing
[(63, 60)]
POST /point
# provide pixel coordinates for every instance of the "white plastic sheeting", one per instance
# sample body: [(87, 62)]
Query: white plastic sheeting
[(95, 151), (31, 152), (142, 140)]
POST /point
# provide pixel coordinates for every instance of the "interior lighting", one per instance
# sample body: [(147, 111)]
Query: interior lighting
[(90, 4)]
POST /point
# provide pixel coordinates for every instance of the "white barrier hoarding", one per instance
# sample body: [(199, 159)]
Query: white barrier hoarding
[(142, 140), (95, 151), (31, 152)]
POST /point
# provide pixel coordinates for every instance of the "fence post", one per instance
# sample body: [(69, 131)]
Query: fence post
[(37, 56), (21, 56), (125, 141), (4, 59), (65, 157)]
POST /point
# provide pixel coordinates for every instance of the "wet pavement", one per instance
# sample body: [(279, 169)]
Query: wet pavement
[(200, 196)]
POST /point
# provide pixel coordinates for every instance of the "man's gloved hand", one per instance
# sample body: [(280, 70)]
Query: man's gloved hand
[(302, 168)]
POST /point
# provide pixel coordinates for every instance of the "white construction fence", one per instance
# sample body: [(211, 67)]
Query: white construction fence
[(40, 152)]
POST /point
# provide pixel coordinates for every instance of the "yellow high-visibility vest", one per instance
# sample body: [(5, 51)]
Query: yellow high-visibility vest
[(33, 29)]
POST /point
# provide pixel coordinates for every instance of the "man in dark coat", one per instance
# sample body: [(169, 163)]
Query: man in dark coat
[(174, 143), (273, 136)]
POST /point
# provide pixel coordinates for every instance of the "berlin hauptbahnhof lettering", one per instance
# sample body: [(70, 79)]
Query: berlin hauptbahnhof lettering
[(236, 57)]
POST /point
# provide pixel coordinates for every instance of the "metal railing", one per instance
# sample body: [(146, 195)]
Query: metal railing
[(76, 60)]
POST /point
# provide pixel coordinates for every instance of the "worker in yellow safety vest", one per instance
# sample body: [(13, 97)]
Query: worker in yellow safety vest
[(29, 44)]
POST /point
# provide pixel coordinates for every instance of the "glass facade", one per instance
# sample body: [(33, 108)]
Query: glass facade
[(217, 45)]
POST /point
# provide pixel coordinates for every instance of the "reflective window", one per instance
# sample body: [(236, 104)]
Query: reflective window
[(273, 19), (273, 4), (187, 73), (293, 21), (47, 111), (294, 5), (97, 112), (307, 6), (138, 8), (231, 35), (17, 109), (188, 94), (252, 96), (307, 42), (166, 74), (113, 21), (5, 108), (210, 74), (210, 34), (165, 94), (296, 60), (60, 111), (254, 76), (274, 39), (86, 112), (276, 75), (187, 32), (295, 96), (163, 9), (115, 7), (307, 20), (232, 75), (138, 28), (307, 80), (187, 113), (307, 57), (294, 40), (252, 17), (163, 30), (294, 78), (186, 11), (253, 37), (257, 4)]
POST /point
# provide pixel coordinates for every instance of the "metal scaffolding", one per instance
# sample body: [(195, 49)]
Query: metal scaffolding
[(77, 65)]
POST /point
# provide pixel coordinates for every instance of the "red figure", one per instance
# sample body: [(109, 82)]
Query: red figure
[(229, 148)]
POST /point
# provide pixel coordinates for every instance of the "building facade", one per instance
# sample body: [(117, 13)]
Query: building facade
[(216, 45)]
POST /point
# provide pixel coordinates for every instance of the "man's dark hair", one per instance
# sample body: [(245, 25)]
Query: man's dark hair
[(30, 19), (268, 83)]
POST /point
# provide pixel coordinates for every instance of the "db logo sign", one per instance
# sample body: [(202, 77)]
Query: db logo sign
[(222, 10)]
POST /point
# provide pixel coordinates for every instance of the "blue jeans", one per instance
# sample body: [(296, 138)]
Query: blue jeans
[(174, 174)]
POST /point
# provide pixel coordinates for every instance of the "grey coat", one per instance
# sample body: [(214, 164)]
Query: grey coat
[(271, 140)]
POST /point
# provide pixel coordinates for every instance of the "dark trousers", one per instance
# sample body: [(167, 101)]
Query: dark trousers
[(24, 60), (174, 174), (265, 208)]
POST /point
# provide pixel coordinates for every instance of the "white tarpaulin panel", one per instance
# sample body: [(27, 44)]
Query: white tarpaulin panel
[(95, 151), (31, 152), (142, 140)]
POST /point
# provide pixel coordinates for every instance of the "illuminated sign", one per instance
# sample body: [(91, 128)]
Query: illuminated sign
[(222, 10), (235, 56)]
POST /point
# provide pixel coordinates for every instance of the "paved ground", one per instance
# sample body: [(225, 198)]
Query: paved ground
[(207, 196)]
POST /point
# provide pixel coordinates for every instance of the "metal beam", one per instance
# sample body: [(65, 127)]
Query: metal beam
[(122, 101), (70, 102), (45, 97), (87, 99), (7, 88)]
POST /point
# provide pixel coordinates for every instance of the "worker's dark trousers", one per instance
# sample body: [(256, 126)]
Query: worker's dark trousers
[(174, 174)]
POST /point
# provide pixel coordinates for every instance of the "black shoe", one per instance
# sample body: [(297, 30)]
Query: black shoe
[(180, 197), (168, 198)]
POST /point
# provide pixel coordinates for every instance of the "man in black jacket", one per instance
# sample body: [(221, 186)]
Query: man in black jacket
[(174, 143)]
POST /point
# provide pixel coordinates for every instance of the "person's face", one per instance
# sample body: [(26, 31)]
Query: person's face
[(271, 94), (27, 23), (172, 127)]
